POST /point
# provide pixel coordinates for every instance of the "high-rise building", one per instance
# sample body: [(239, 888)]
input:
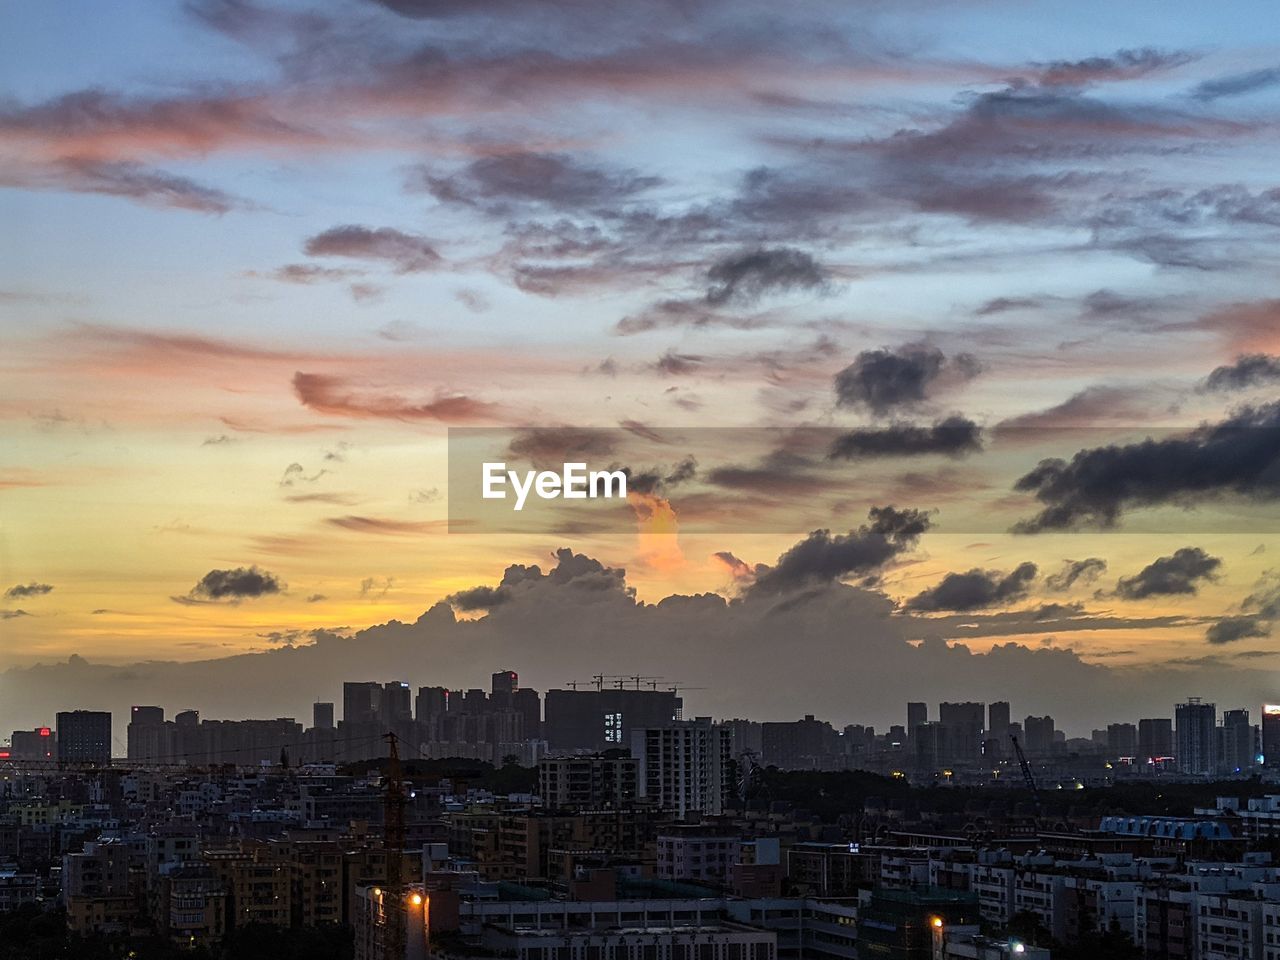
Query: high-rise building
[(998, 720), (1122, 740), (603, 719), (148, 737), (917, 713), (1155, 739), (503, 686), (1237, 751), (965, 723), (528, 703), (84, 736), (684, 766), (798, 744), (322, 715), (1196, 744), (996, 745), (1038, 735), (361, 702), (37, 744), (396, 706), (1271, 734)]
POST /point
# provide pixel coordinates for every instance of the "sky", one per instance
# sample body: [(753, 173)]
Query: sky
[(940, 342)]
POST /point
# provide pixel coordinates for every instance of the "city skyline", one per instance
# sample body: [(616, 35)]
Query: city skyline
[(973, 303)]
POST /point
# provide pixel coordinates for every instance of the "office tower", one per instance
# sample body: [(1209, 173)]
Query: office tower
[(684, 766), (603, 719), (1155, 739), (503, 686), (322, 716), (931, 745), (996, 745), (1271, 734), (37, 744), (528, 703), (84, 736), (397, 704), (917, 713), (361, 702), (1236, 752), (148, 737), (998, 721), (1196, 743), (965, 723), (1122, 740), (1038, 736), (798, 744), (146, 715)]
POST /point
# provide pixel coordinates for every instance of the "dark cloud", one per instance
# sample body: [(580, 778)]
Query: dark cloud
[(556, 180), (1179, 573), (1249, 370), (821, 558), (477, 598), (976, 590), (553, 446), (1084, 571), (337, 396), (1236, 84), (676, 364), (1122, 65), (239, 583), (13, 614), (744, 278), (661, 480), (781, 473), (883, 380), (1231, 629), (31, 589), (407, 253), (316, 598), (1240, 457), (955, 436)]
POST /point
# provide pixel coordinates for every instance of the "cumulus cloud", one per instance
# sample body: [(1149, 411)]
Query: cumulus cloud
[(976, 589), (233, 585), (1231, 629), (1084, 572), (405, 252), (822, 557), (955, 436), (1180, 573), (1249, 370), (31, 589), (885, 380), (1238, 457)]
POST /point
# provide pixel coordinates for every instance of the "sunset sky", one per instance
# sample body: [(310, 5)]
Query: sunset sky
[(258, 258)]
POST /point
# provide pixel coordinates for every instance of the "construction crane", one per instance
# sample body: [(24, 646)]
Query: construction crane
[(1026, 774), (393, 846)]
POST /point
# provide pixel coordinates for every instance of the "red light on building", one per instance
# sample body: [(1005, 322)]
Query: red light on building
[(4, 754), (45, 732)]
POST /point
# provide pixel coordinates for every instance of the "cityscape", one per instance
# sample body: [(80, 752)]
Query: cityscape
[(662, 480), (508, 822)]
